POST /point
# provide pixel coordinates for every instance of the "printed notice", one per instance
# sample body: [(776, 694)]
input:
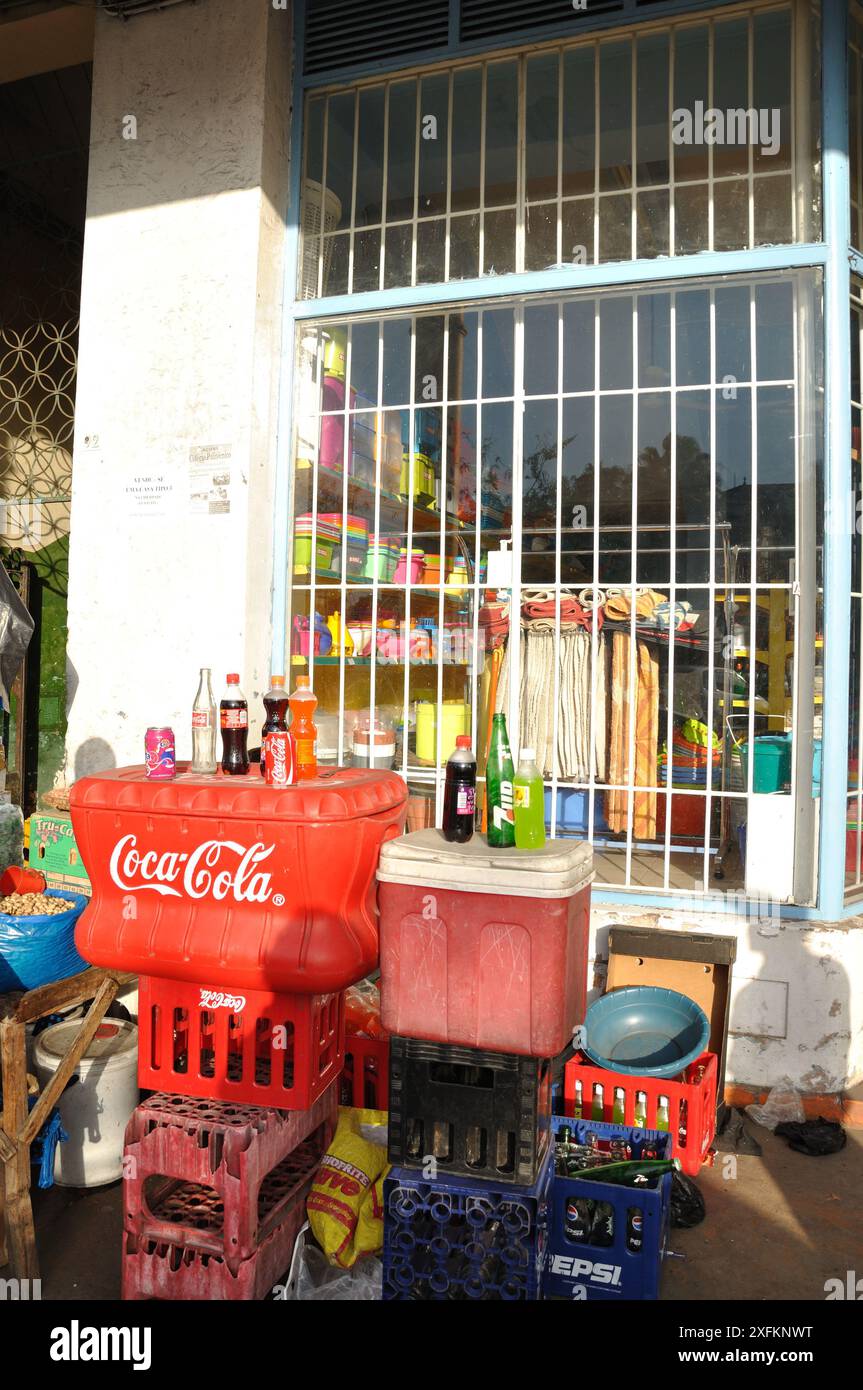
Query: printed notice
[(210, 480), (148, 494)]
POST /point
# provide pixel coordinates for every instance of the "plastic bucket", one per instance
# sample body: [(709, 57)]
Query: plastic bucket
[(772, 769), (95, 1110), (455, 720)]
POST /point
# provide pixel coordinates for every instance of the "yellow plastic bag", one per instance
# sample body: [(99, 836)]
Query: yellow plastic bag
[(346, 1203)]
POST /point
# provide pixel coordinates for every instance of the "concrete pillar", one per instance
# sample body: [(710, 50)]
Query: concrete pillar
[(175, 439)]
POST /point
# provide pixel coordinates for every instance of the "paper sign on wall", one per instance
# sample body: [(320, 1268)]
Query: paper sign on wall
[(210, 479)]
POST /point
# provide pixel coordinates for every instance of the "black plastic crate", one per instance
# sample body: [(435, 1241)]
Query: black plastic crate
[(461, 1110)]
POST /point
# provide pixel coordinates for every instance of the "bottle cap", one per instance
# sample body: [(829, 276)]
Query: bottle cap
[(277, 680), (463, 741), (233, 678), (302, 682), (528, 755)]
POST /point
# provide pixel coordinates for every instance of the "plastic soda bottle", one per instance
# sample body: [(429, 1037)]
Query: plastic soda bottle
[(204, 725), (499, 777), (459, 798), (528, 799), (276, 706), (234, 722), (303, 705)]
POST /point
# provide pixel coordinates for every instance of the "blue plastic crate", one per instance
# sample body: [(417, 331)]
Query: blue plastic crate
[(455, 1238), (582, 1270), (573, 810)]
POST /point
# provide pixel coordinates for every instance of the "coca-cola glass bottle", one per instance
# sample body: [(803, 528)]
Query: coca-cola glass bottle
[(204, 725)]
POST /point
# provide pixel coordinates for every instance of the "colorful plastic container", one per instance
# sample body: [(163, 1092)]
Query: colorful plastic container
[(772, 767), (455, 720), (409, 567), (484, 948)]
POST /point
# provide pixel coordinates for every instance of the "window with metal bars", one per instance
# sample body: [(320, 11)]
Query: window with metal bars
[(584, 511), (591, 152)]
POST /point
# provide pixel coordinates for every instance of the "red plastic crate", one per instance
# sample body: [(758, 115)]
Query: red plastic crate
[(217, 1177), (699, 1097), (168, 1270), (255, 1048), (365, 1079)]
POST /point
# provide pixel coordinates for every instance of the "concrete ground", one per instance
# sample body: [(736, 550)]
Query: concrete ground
[(777, 1227)]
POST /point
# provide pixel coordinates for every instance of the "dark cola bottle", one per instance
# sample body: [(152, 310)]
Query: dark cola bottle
[(234, 724), (276, 706)]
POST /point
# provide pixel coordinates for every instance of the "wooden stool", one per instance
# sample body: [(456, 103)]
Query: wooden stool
[(19, 1125)]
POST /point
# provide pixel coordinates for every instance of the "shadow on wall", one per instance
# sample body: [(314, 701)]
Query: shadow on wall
[(94, 755)]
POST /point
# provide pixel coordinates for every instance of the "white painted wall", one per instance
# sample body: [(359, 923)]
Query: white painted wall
[(179, 348), (795, 1009)]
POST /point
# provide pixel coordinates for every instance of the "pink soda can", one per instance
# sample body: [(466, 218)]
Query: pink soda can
[(160, 755), (279, 759)]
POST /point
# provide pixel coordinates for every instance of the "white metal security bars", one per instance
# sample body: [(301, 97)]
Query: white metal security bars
[(855, 121), (653, 440), (564, 155), (854, 817)]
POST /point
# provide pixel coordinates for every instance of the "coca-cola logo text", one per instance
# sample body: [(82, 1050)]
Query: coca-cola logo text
[(217, 868)]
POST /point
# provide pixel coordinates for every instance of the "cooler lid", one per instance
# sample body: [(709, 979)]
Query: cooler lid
[(337, 794), (557, 870)]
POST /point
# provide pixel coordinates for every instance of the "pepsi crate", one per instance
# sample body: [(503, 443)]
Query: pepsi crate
[(471, 1112), (600, 1265), (459, 1239)]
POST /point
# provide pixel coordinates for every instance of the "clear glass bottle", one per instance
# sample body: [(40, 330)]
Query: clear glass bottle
[(204, 725)]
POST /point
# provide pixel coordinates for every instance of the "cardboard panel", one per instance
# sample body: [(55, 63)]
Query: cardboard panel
[(706, 984)]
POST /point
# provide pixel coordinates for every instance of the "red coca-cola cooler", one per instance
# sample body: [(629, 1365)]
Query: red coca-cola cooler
[(246, 909)]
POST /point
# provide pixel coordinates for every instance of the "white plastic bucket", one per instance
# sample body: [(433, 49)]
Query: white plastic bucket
[(95, 1108)]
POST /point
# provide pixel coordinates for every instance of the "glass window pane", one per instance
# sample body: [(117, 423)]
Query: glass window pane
[(539, 498), (691, 84), (401, 150), (577, 232), (463, 334), (541, 123), (692, 322), (690, 219), (692, 501), (731, 215), (615, 343), (771, 79), (397, 261), (578, 153), (732, 334), (370, 144), (615, 227), (653, 484), (773, 211), (774, 332), (466, 137), (731, 93), (498, 256), (464, 247), (652, 224), (341, 117), (433, 145), (431, 250), (540, 235), (652, 109), (501, 133), (579, 317), (654, 340), (540, 349), (396, 361), (615, 115), (497, 352), (367, 260)]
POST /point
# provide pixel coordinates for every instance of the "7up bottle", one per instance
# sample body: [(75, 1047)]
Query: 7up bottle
[(498, 775)]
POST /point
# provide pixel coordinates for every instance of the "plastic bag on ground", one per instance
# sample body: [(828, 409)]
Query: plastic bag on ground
[(346, 1203), (782, 1106), (687, 1202), (319, 1280), (816, 1138)]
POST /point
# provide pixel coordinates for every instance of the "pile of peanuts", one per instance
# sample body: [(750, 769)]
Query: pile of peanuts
[(33, 905)]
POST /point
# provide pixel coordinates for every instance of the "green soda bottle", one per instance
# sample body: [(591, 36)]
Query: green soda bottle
[(528, 800), (498, 779), (623, 1174)]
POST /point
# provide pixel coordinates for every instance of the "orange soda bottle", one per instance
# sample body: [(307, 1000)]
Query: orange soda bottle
[(302, 705)]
